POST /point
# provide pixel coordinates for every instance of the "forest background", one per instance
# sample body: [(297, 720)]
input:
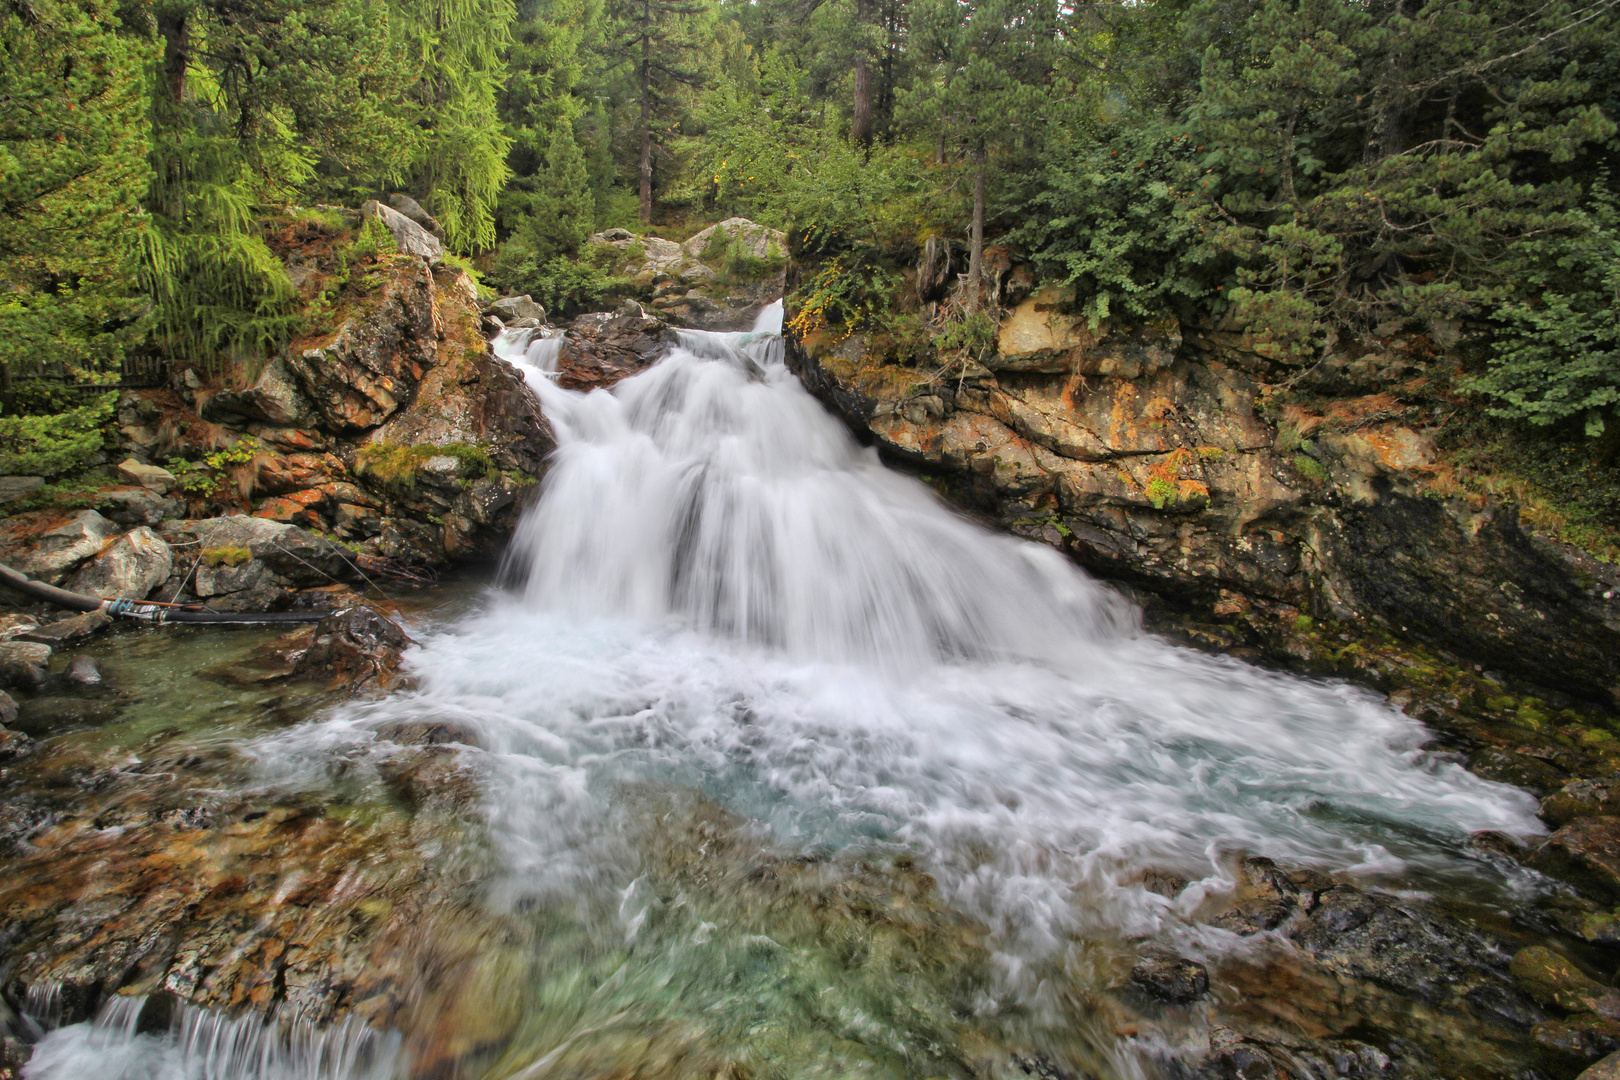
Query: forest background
[(1307, 172)]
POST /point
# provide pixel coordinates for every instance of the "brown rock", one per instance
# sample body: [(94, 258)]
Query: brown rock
[(1607, 1069), (366, 371), (357, 648), (1586, 853), (602, 348)]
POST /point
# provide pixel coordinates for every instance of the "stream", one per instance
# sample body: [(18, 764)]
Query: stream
[(775, 766)]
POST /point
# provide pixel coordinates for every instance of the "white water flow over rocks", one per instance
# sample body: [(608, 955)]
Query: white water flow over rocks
[(198, 1045), (720, 588), (723, 599)]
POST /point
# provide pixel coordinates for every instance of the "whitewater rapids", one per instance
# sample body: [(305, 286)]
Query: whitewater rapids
[(719, 591)]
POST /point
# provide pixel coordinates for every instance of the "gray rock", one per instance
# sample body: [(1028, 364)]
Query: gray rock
[(45, 547), (131, 567), (23, 664), (132, 506), (68, 631), (511, 308), (413, 210), (150, 477), (13, 488), (8, 708), (293, 557), (743, 235), (274, 398), (84, 671), (410, 237)]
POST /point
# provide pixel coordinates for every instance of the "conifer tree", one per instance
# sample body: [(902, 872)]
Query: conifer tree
[(72, 172)]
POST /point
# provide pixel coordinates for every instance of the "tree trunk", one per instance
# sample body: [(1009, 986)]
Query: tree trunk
[(976, 252), (173, 26), (860, 122), (646, 129)]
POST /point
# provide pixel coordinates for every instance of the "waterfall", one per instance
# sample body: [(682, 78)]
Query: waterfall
[(724, 604), (712, 489)]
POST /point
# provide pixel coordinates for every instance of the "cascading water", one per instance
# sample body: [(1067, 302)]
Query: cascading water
[(723, 598)]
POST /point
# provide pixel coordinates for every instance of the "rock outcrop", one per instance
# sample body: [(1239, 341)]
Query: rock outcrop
[(604, 347), (719, 279), (1161, 459)]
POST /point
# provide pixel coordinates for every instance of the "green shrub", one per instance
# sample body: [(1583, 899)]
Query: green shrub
[(1557, 355), (374, 238), (56, 443)]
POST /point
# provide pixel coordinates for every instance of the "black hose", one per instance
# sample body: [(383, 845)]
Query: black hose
[(154, 613)]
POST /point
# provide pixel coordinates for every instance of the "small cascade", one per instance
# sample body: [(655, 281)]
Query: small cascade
[(533, 352), (712, 488), (126, 1042)]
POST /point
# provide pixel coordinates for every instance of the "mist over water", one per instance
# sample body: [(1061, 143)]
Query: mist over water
[(720, 592)]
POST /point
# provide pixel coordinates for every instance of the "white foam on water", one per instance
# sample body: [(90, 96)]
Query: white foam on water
[(203, 1045), (720, 588)]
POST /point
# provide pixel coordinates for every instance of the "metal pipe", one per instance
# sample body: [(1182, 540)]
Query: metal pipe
[(154, 613)]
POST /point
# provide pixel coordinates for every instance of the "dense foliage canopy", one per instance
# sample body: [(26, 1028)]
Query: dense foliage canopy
[(1296, 170)]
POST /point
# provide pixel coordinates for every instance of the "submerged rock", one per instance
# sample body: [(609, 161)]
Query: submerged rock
[(23, 664), (1172, 979), (357, 649)]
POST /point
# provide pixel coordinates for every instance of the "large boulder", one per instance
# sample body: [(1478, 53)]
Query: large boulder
[(366, 371), (603, 347), (247, 563), (273, 397), (739, 235), (409, 237), (413, 210), (130, 567), (49, 544), (509, 309)]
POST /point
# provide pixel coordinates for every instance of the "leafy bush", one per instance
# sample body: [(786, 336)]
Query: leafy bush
[(54, 444), (847, 293), (558, 282), (1557, 354)]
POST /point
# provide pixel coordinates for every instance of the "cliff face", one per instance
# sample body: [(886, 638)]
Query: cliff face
[(1163, 457), (391, 426)]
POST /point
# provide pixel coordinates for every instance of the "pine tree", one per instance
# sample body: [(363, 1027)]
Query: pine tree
[(72, 172), (459, 163), (660, 42)]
